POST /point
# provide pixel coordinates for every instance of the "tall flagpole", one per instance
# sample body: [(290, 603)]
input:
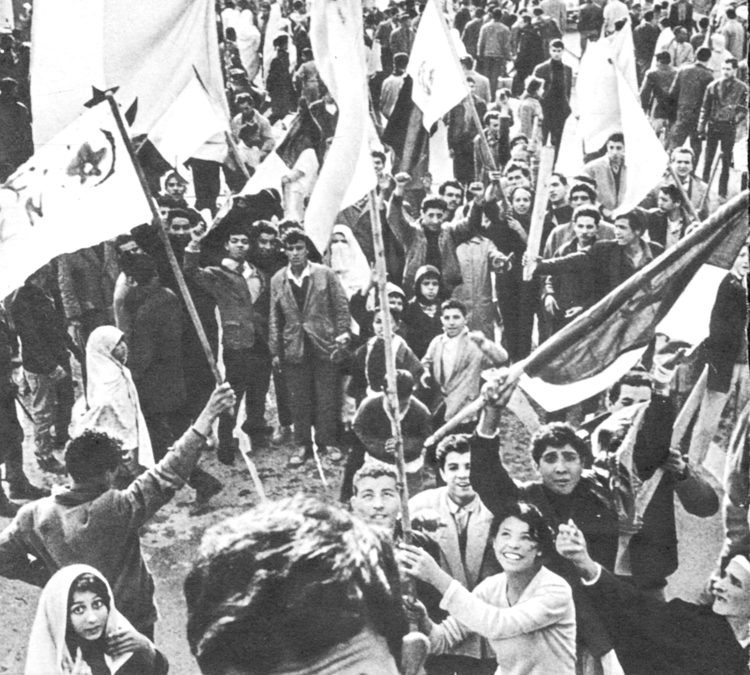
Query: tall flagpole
[(177, 271)]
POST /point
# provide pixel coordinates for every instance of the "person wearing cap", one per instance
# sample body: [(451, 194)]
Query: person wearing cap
[(237, 286), (558, 81), (493, 49), (655, 99), (688, 90), (402, 38), (676, 637), (392, 84)]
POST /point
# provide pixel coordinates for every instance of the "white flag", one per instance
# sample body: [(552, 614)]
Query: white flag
[(77, 190), (439, 80), (187, 124)]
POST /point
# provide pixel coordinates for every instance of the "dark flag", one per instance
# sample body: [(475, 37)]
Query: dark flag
[(303, 133), (406, 134)]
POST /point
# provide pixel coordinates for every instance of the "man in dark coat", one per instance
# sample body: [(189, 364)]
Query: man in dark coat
[(470, 34), (645, 37), (558, 80), (280, 84)]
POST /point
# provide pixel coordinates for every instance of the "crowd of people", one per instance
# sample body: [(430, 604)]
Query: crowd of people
[(565, 573)]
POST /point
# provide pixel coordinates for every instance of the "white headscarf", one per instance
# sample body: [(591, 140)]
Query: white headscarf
[(48, 651), (112, 397), (348, 261)]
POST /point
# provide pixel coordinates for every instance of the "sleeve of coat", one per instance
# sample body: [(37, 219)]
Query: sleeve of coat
[(275, 321), (68, 295), (339, 304), (400, 227), (489, 478), (28, 331)]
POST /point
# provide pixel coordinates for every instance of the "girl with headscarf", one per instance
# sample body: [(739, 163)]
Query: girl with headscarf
[(345, 257), (421, 316), (78, 631), (112, 399)]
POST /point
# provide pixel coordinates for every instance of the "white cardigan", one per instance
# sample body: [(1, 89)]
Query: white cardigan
[(536, 636)]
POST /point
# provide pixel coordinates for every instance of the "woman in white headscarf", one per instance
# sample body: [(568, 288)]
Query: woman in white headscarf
[(78, 631), (345, 257), (112, 399)]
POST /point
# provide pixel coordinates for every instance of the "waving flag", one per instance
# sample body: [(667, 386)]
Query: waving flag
[(439, 80), (598, 347), (62, 198)]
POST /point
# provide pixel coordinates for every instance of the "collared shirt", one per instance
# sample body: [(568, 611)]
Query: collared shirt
[(298, 281)]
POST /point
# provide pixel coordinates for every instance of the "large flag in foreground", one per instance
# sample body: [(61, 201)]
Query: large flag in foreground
[(601, 345), (77, 190), (439, 80), (347, 174), (147, 49)]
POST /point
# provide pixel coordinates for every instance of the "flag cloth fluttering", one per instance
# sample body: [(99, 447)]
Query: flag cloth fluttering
[(62, 198), (597, 348), (347, 173), (406, 134), (439, 82)]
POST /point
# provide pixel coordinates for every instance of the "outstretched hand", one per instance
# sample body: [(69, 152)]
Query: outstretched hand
[(571, 544)]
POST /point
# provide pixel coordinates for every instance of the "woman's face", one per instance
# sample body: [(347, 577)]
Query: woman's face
[(120, 352), (430, 289), (514, 547), (521, 202), (88, 615), (174, 187)]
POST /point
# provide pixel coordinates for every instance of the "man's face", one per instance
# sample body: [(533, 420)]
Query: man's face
[(432, 219), (615, 151), (728, 70), (378, 165), (664, 202), (296, 254), (585, 230), (471, 84), (624, 234), (516, 178), (377, 501), (453, 321), (266, 244), (556, 53), (174, 187), (682, 164), (494, 126), (556, 189), (453, 198), (520, 151), (630, 395), (129, 247), (237, 246), (179, 226), (455, 473), (560, 469), (732, 592), (680, 36), (742, 263), (579, 197), (246, 108)]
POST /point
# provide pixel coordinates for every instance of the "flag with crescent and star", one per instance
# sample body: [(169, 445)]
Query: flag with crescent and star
[(77, 190)]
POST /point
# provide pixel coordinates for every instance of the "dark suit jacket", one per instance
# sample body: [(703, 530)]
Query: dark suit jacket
[(544, 72), (470, 36), (686, 23)]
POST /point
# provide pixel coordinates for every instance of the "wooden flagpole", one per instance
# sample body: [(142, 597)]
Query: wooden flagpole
[(714, 169), (685, 197), (176, 270)]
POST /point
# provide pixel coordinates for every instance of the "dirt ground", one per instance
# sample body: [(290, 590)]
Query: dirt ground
[(170, 541)]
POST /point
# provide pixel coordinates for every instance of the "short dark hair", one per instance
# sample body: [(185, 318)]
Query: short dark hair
[(478, 12), (633, 378), (376, 154), (635, 219), (703, 22), (732, 62), (140, 266), (583, 187), (450, 183), (294, 236), (684, 150), (648, 15), (586, 210), (539, 529), (557, 44), (91, 455), (290, 579), (497, 14), (556, 435), (672, 191), (563, 178), (703, 54), (617, 137), (373, 470), (244, 97), (515, 166), (434, 203), (454, 304), (664, 57), (460, 443), (533, 85), (265, 227), (731, 13), (467, 61), (190, 216)]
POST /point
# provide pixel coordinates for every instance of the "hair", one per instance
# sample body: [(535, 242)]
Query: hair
[(617, 137), (586, 210), (454, 304), (497, 14), (515, 166), (181, 213), (683, 151), (376, 154), (731, 13), (373, 470), (265, 227), (91, 455), (89, 583), (525, 188), (557, 44), (703, 22), (633, 378), (562, 177), (140, 266), (434, 203), (648, 15), (244, 97), (290, 579), (556, 435), (460, 443), (516, 140), (479, 12), (121, 239), (450, 183), (467, 61), (703, 54), (635, 219), (401, 60), (664, 57), (539, 530), (294, 236), (533, 85), (732, 62), (672, 191), (583, 187)]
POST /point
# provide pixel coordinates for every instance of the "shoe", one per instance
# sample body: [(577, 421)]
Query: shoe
[(301, 456), (283, 434), (7, 508), (333, 453), (227, 451), (27, 491), (50, 464)]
